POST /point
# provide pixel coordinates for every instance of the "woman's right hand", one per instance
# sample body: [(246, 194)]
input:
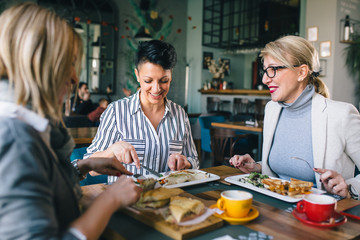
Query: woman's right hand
[(124, 191), (245, 163), (123, 152)]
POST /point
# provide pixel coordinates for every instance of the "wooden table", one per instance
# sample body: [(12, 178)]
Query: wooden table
[(275, 218), (83, 135), (243, 128)]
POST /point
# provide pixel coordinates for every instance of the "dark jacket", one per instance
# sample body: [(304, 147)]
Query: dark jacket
[(38, 194), (82, 107)]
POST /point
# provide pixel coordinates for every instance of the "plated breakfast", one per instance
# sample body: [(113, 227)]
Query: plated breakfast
[(183, 176), (187, 177), (289, 191)]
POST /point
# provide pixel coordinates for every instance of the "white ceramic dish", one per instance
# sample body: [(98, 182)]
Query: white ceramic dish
[(236, 180), (211, 177)]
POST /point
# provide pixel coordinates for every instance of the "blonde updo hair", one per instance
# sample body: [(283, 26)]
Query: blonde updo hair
[(37, 52), (294, 50)]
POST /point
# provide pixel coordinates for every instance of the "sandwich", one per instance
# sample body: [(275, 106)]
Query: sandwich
[(183, 209), (299, 187), (275, 185), (292, 188), (157, 198)]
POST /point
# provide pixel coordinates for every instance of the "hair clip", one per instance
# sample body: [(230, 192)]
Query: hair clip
[(315, 74)]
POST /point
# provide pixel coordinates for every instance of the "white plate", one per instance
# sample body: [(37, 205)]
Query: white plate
[(212, 177), (236, 180)]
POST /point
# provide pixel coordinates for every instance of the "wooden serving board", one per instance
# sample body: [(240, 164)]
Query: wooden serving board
[(174, 231)]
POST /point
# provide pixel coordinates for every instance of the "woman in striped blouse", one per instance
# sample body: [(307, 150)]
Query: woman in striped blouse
[(147, 127)]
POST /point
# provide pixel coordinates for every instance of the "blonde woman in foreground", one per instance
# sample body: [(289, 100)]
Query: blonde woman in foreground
[(302, 122), (39, 193)]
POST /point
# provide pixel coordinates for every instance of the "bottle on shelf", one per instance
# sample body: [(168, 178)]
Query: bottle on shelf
[(347, 28)]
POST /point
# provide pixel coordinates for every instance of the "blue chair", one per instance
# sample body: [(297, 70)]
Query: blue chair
[(78, 153), (205, 125)]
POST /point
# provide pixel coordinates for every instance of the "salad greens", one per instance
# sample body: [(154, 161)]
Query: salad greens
[(255, 179)]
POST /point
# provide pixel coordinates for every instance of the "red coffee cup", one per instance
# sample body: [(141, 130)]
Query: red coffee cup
[(318, 208)]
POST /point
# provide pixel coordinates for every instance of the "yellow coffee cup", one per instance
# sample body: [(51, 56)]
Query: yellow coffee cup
[(235, 203)]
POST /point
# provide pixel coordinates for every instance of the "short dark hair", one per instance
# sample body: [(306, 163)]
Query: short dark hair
[(157, 52), (82, 84)]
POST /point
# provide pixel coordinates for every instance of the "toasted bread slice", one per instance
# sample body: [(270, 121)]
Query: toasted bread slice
[(184, 209), (297, 185), (274, 185)]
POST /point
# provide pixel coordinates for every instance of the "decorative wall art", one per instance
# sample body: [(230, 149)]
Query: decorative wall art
[(312, 34), (325, 49)]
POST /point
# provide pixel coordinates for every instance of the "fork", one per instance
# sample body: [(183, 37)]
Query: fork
[(297, 158)]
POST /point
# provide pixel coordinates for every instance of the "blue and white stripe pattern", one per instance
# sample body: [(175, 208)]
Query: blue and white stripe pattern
[(124, 120)]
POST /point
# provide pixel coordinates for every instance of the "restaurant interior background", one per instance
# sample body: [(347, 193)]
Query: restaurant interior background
[(110, 28)]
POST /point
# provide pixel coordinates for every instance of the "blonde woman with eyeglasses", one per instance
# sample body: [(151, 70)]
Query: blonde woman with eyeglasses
[(39, 194), (302, 122)]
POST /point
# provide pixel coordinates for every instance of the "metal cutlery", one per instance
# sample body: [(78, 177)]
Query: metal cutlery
[(151, 171), (297, 158)]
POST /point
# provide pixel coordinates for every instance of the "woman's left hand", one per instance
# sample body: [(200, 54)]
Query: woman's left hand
[(333, 182), (177, 161)]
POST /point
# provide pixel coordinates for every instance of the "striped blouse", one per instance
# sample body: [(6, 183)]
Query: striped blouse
[(124, 120)]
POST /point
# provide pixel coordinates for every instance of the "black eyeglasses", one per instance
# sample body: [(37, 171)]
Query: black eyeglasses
[(271, 71)]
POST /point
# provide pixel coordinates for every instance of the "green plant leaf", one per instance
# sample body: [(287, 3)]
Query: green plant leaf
[(133, 28), (132, 45), (165, 31), (352, 61), (138, 12)]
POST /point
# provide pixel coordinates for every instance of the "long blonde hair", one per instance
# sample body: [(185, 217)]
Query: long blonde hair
[(37, 50), (294, 50)]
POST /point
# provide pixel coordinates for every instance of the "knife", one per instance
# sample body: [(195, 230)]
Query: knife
[(151, 171)]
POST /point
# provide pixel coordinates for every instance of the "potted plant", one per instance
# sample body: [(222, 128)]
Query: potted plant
[(353, 59)]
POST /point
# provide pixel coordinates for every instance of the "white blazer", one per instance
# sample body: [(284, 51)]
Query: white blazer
[(335, 137)]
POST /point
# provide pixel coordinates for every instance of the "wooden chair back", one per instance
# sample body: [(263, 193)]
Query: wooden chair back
[(222, 144)]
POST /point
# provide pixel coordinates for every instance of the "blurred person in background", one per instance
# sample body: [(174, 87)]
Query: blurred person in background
[(94, 116), (81, 102)]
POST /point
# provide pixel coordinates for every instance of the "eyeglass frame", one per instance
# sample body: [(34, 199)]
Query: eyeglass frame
[(275, 68)]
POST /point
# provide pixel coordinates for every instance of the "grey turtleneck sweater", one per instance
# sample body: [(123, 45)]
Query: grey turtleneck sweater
[(292, 138)]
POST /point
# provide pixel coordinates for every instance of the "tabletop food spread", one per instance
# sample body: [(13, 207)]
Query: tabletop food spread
[(289, 191), (169, 202)]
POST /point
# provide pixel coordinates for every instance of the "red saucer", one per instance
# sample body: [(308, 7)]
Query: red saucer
[(339, 220)]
